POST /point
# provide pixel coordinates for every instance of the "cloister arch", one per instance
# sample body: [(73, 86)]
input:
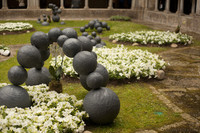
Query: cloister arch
[(45, 3), (173, 6), (17, 4)]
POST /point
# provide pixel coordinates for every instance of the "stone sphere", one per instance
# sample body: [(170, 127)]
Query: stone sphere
[(94, 34), (84, 62), (94, 80), (40, 40), (86, 26), (103, 43), (96, 25), (94, 54), (53, 34), (45, 54), (98, 39), (90, 37), (61, 40), (99, 45), (70, 32), (62, 23), (86, 44), (99, 29), (108, 28), (40, 65), (50, 5), (71, 47), (82, 29), (104, 24), (83, 82), (17, 75), (14, 96), (56, 18), (36, 77), (103, 71), (45, 23), (59, 11), (28, 56), (91, 24), (45, 19), (84, 34), (102, 105), (94, 42)]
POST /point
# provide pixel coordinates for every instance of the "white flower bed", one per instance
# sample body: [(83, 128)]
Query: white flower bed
[(4, 50), (19, 26), (153, 37), (51, 112), (120, 62)]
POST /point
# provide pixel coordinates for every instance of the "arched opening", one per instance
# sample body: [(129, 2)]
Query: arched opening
[(98, 3), (187, 8), (74, 3), (45, 3), (161, 5), (173, 6), (123, 4), (17, 4), (0, 4)]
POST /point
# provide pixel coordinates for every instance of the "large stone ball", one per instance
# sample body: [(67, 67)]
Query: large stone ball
[(91, 24), (90, 37), (59, 11), (103, 43), (14, 96), (70, 32), (53, 34), (102, 105), (45, 54), (96, 25), (36, 77), (84, 62), (108, 28), (94, 34), (82, 29), (83, 82), (17, 75), (99, 29), (104, 24), (99, 45), (45, 23), (61, 40), (94, 42), (103, 71), (86, 44), (86, 26), (56, 18), (94, 80), (40, 40), (84, 34), (98, 39), (28, 56), (71, 47)]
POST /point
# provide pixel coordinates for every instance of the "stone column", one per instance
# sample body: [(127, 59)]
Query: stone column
[(110, 4), (61, 4), (193, 7), (156, 5), (167, 6), (146, 5), (86, 4), (133, 4), (4, 4), (181, 6), (198, 7)]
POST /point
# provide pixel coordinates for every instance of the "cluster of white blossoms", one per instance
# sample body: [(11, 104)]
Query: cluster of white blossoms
[(19, 26), (153, 37), (51, 112), (4, 50), (120, 62)]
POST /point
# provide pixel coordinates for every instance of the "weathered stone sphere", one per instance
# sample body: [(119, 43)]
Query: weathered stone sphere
[(99, 45), (94, 34), (103, 43), (86, 26), (108, 27), (70, 32), (56, 18), (104, 24), (53, 34), (98, 39), (45, 23), (45, 54), (102, 105), (83, 82), (86, 44), (17, 75), (91, 24), (40, 65), (94, 42), (71, 47), (82, 29), (94, 54), (61, 40), (59, 11), (96, 25), (103, 71), (84, 62), (62, 23), (94, 80), (28, 56), (99, 29), (40, 40), (90, 37), (14, 96), (84, 34), (36, 77)]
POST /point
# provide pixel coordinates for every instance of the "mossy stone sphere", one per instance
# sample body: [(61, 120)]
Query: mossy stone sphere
[(28, 56), (103, 71), (53, 34), (94, 80), (84, 62), (14, 96), (61, 40), (86, 44), (102, 105), (40, 40), (70, 33), (82, 29), (17, 75)]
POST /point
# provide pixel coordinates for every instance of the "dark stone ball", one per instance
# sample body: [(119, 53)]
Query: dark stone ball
[(62, 23), (86, 44), (99, 45), (91, 24), (40, 65), (45, 23), (102, 105), (94, 54), (38, 21), (103, 71), (103, 43), (99, 29), (70, 32), (40, 40), (14, 96), (104, 24), (94, 42), (59, 11), (17, 75), (96, 25), (45, 54), (83, 82), (71, 47), (53, 34), (94, 34), (86, 26), (90, 37), (36, 77), (94, 80), (28, 56), (82, 29), (84, 62), (98, 39), (108, 27), (85, 34), (61, 40), (56, 18)]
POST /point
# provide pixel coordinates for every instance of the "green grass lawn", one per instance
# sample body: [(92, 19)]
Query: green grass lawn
[(140, 109)]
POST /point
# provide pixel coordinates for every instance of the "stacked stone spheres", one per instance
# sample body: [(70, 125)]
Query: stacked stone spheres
[(45, 23), (55, 12), (95, 24)]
